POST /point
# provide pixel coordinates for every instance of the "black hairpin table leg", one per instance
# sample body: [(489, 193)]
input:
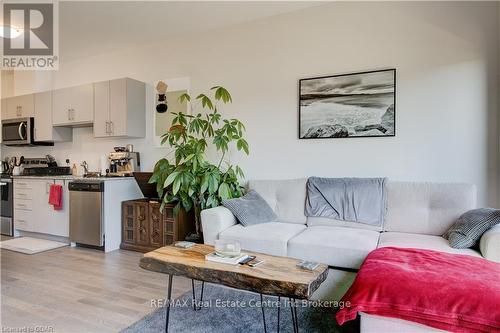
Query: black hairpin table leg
[(263, 313), (195, 308), (295, 318), (169, 297), (279, 307)]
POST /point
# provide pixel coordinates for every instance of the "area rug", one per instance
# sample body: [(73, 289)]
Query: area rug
[(229, 310), (29, 245)]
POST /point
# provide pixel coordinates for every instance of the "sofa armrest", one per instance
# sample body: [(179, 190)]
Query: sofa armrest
[(490, 244), (215, 220)]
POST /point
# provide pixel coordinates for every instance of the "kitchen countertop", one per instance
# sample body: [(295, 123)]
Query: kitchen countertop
[(71, 177)]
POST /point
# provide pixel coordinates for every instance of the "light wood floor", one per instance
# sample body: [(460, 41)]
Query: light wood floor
[(79, 290)]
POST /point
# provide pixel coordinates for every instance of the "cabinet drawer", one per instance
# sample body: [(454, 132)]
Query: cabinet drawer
[(23, 204), (22, 220), (21, 184), (23, 193)]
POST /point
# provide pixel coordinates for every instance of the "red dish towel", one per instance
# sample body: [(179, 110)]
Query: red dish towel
[(55, 196), (452, 292)]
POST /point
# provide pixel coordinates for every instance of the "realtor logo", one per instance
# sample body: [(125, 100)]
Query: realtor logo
[(29, 36)]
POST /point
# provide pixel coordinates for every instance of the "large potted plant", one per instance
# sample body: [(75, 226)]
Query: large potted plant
[(191, 180)]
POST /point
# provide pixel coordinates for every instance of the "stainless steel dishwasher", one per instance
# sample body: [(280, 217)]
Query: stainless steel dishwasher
[(86, 212)]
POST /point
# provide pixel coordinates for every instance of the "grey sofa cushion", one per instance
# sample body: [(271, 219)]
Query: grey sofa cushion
[(250, 209), (470, 226)]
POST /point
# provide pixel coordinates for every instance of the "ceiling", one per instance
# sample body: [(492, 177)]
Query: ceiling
[(88, 28)]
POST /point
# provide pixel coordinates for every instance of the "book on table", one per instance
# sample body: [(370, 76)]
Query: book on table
[(226, 260)]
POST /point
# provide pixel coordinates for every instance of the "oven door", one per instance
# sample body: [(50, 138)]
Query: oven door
[(17, 131), (6, 196)]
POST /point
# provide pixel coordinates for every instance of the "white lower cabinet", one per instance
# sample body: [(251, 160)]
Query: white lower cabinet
[(32, 211)]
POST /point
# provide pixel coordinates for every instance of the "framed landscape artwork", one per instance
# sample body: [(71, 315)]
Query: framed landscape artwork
[(349, 105)]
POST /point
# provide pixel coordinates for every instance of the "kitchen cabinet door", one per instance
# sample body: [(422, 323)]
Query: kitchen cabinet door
[(41, 209), (118, 107), (83, 104), (73, 106), (45, 219), (44, 130), (20, 106), (101, 109), (60, 218), (61, 107), (5, 112)]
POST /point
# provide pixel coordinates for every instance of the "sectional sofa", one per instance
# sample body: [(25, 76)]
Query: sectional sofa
[(417, 215)]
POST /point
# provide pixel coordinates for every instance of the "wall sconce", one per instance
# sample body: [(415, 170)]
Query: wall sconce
[(161, 97)]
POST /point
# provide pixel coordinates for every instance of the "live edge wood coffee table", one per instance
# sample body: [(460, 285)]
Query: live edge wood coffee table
[(277, 276)]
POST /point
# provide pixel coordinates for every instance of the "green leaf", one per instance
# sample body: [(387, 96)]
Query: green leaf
[(205, 101), (224, 191), (170, 179), (222, 94), (213, 184), (241, 144), (204, 184), (176, 186), (184, 97)]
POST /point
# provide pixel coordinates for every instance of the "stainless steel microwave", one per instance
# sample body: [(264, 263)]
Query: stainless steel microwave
[(20, 132)]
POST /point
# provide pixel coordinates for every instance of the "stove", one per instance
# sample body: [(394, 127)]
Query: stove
[(47, 171)]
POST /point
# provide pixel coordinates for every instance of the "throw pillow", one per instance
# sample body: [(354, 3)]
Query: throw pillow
[(469, 227), (250, 209)]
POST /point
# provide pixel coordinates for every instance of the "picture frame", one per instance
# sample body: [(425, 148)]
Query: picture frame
[(352, 105)]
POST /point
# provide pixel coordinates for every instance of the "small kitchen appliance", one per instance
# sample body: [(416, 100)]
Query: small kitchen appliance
[(20, 132), (124, 163), (6, 208)]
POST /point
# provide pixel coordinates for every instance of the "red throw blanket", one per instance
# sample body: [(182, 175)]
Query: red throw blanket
[(452, 292)]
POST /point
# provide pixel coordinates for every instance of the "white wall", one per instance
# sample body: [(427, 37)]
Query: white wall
[(445, 53)]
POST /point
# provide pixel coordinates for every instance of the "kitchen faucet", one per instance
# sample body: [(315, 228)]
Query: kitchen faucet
[(85, 167)]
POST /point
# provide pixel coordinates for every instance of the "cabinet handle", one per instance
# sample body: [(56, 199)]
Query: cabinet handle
[(107, 127), (111, 127), (24, 184), (21, 194), (69, 114), (72, 114), (19, 220)]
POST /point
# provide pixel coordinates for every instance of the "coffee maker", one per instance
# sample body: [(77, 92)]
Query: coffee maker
[(123, 163)]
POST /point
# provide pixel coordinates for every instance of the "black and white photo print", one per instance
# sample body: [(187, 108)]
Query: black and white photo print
[(348, 105)]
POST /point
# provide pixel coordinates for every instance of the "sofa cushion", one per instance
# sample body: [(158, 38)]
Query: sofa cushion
[(468, 229), (426, 208), (286, 197), (334, 246), (250, 209), (418, 241), (270, 238)]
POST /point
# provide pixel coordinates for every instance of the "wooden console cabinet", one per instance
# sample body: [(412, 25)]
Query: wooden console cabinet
[(145, 228)]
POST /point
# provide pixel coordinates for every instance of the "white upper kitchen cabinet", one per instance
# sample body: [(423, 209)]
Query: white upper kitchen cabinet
[(73, 106), (120, 108), (44, 130), (18, 107)]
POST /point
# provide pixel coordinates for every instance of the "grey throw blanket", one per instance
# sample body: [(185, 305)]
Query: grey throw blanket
[(361, 200)]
